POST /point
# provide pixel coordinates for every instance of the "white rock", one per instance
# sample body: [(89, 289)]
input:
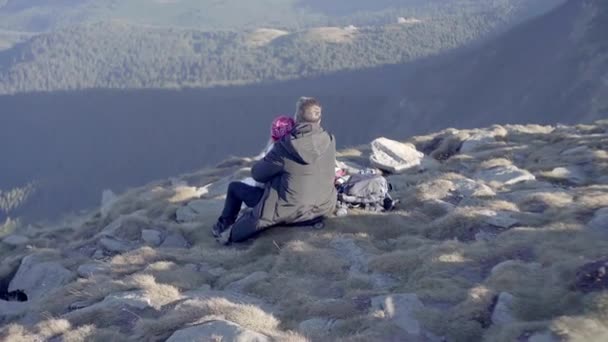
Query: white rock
[(503, 311), (599, 220), (15, 240), (394, 156), (38, 279), (241, 285), (400, 309), (507, 175), (90, 270), (108, 199), (217, 331), (151, 236)]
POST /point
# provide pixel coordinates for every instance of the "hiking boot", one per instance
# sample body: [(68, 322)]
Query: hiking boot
[(218, 228)]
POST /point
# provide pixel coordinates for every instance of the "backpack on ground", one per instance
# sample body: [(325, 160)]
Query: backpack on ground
[(366, 191)]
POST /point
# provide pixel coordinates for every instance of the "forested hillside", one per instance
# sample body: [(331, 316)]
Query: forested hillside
[(117, 54)]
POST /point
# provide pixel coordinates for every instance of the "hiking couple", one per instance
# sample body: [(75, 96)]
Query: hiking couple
[(293, 184)]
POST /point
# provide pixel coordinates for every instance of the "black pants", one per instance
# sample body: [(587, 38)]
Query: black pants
[(239, 193)]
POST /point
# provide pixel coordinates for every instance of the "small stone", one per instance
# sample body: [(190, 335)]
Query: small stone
[(151, 236), (15, 240), (135, 299)]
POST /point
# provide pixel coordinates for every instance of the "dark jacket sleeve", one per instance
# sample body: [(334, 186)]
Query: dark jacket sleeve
[(267, 168)]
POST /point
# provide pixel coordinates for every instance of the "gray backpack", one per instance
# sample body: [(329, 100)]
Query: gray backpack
[(367, 191)]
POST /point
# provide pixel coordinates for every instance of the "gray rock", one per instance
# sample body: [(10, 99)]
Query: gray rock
[(15, 240), (38, 279), (355, 255), (394, 156), (545, 336), (99, 254), (485, 236), (470, 188), (151, 236), (600, 220), (125, 226), (93, 269), (197, 209), (12, 310), (241, 285), (400, 309), (571, 174), (116, 246), (135, 299), (217, 331), (503, 311), (477, 140), (515, 265), (316, 326), (507, 175), (500, 219), (175, 240)]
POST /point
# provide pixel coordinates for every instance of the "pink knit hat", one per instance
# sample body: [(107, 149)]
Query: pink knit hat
[(281, 126)]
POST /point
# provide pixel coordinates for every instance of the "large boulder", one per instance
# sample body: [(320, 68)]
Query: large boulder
[(217, 331), (400, 309), (393, 156), (38, 278)]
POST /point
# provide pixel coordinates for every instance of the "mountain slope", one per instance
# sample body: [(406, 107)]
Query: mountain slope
[(493, 242), (553, 66), (34, 15)]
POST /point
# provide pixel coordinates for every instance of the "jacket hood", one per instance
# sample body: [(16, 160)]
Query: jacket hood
[(307, 142)]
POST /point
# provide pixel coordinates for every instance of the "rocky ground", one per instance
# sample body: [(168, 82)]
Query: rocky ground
[(502, 235)]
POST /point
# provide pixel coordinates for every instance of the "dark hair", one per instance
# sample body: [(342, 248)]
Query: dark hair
[(303, 113)]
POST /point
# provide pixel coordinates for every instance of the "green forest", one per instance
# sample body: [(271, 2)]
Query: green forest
[(122, 55)]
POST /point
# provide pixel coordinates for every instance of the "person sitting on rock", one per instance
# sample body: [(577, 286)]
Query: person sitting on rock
[(298, 173)]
